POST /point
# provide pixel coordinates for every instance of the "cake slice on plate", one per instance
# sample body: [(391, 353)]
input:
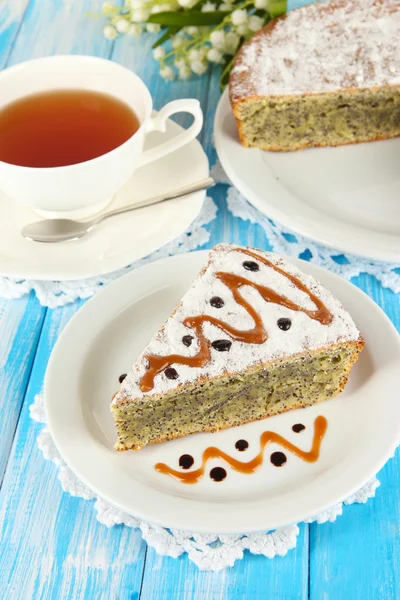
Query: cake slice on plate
[(324, 74), (253, 337)]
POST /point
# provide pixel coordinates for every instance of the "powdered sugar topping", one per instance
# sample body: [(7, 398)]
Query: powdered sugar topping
[(304, 334), (322, 48)]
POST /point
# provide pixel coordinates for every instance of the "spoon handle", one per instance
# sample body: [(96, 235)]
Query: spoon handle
[(187, 189)]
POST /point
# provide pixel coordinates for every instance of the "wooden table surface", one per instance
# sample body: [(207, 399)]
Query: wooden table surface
[(52, 547)]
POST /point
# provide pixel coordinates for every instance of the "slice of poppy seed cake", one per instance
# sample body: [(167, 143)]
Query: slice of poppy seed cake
[(253, 337)]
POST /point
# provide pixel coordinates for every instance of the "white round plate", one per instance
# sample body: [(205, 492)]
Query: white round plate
[(119, 241), (107, 334), (346, 197)]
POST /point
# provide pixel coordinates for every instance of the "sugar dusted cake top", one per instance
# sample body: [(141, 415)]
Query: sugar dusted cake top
[(320, 48), (305, 332)]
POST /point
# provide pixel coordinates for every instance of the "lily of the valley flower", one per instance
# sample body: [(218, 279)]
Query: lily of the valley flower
[(189, 48)]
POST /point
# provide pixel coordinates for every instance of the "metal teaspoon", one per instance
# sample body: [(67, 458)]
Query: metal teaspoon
[(63, 230)]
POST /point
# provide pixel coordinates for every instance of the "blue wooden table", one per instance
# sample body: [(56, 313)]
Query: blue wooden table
[(52, 547)]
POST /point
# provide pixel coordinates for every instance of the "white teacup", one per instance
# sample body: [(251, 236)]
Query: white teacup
[(85, 188)]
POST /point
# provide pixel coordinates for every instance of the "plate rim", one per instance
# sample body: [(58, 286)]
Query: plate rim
[(99, 268), (363, 249), (183, 521)]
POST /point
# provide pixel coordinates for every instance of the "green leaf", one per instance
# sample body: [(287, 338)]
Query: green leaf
[(224, 78), (173, 30), (276, 8), (166, 35), (188, 18), (263, 14)]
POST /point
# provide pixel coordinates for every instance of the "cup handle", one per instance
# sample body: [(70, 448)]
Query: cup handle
[(158, 123)]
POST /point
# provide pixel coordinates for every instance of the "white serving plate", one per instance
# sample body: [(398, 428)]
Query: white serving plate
[(107, 334)]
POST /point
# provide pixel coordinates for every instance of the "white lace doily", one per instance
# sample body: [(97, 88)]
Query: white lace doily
[(59, 293), (287, 242), (209, 552)]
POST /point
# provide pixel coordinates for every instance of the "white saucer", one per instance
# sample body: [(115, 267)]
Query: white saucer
[(121, 240), (107, 334), (345, 197)]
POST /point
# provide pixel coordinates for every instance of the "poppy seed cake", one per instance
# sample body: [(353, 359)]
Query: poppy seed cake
[(325, 74), (252, 337)]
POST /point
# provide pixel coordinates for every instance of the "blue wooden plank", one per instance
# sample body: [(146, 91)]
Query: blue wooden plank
[(213, 96), (52, 546), (29, 29), (58, 27), (11, 16), (385, 298), (255, 577), (20, 326), (297, 3), (358, 557)]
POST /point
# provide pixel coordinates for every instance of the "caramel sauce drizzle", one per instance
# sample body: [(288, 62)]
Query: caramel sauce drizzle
[(268, 437), (257, 335)]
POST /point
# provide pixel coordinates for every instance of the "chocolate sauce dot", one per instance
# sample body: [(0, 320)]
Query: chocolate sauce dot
[(187, 340), (298, 427), (222, 345), (278, 459), (284, 324), (241, 445), (122, 377), (217, 473), (186, 461), (217, 302), (171, 373), (250, 265)]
